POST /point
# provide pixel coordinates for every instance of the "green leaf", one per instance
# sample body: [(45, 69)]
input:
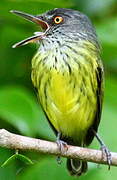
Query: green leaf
[(107, 30), (8, 161), (21, 157), (25, 159), (99, 7), (9, 171), (60, 3), (50, 169), (19, 108)]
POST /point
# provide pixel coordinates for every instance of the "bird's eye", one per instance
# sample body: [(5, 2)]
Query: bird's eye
[(58, 19)]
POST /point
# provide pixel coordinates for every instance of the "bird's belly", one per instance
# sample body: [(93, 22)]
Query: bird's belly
[(69, 108)]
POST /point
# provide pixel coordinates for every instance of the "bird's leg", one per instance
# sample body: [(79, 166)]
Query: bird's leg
[(104, 149), (61, 145)]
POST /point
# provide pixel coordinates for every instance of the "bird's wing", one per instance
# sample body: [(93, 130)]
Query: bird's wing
[(100, 93)]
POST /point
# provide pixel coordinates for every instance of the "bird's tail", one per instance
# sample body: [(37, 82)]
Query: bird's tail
[(76, 167)]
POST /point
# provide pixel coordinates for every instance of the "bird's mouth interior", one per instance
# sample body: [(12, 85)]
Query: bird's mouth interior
[(38, 35)]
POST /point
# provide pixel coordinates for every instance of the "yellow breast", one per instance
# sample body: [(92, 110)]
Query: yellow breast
[(69, 107), (68, 97)]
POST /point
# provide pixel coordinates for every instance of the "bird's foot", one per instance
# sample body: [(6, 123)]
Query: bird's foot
[(106, 152), (62, 148), (62, 145)]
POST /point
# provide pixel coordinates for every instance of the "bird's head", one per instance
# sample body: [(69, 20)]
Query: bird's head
[(60, 22)]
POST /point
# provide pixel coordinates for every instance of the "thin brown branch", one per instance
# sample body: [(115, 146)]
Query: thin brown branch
[(18, 142)]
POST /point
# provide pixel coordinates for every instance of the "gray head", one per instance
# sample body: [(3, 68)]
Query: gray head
[(72, 22), (66, 23)]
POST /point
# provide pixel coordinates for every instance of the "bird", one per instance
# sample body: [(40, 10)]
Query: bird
[(68, 73)]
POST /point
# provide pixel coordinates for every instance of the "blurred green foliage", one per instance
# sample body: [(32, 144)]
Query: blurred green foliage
[(19, 109)]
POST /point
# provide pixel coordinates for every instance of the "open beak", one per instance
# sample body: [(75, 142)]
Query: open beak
[(38, 35)]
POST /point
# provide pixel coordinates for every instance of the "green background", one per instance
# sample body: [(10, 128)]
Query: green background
[(19, 110)]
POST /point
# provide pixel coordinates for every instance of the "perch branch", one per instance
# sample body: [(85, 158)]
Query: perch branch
[(18, 142)]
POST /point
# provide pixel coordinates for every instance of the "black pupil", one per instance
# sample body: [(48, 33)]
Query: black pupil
[(57, 19)]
